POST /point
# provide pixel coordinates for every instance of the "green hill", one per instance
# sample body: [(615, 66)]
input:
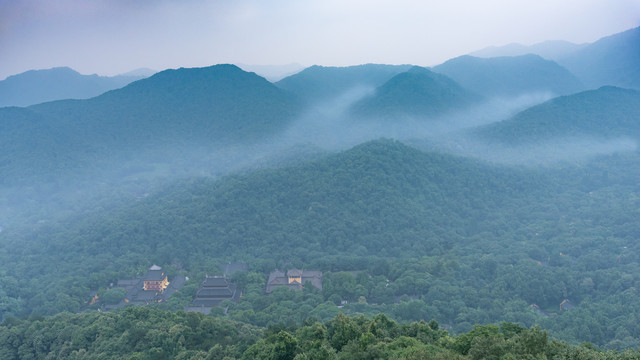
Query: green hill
[(510, 76), (608, 112), (417, 93), (378, 199), (321, 83), (159, 117), (38, 86), (437, 236), (338, 204), (210, 104)]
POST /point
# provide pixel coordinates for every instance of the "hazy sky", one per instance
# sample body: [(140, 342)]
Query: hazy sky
[(115, 36)]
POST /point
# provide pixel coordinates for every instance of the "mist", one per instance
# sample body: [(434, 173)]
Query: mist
[(561, 150), (330, 125), (324, 127)]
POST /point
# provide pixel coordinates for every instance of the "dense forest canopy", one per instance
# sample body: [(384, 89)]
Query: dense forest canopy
[(461, 240), (140, 333)]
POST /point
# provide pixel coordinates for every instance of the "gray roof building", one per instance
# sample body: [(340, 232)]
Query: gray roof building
[(213, 291), (294, 279), (153, 287)]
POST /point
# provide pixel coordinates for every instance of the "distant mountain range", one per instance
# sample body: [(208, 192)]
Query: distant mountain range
[(319, 83), (416, 93), (550, 50), (612, 60), (206, 109), (187, 108), (608, 112), (38, 86), (510, 76)]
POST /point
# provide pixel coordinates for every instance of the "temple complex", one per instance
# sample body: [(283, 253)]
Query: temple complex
[(294, 279)]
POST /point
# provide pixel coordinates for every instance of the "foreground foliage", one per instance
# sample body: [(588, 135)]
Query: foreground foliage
[(143, 333)]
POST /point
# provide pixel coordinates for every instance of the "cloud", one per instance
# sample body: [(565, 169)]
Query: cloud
[(111, 36)]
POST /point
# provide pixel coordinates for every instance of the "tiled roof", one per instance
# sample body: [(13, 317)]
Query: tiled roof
[(207, 302), (215, 292), (294, 272), (215, 281), (277, 278), (155, 275)]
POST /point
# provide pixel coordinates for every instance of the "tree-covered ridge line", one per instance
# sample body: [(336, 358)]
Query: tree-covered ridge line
[(144, 333), (37, 86), (416, 93), (466, 242), (163, 118), (510, 75), (605, 113)]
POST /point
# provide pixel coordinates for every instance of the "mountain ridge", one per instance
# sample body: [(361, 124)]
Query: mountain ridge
[(608, 112), (612, 60), (38, 86), (321, 83), (173, 109), (510, 76), (416, 93)]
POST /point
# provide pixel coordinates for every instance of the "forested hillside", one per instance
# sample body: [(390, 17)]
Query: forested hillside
[(140, 333), (605, 113), (167, 116), (430, 235), (417, 93)]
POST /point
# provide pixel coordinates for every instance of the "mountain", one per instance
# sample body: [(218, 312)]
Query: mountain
[(209, 104), (613, 60), (430, 235), (38, 86), (550, 50), (336, 204), (165, 114), (608, 112), (381, 198), (510, 76), (320, 83), (416, 93)]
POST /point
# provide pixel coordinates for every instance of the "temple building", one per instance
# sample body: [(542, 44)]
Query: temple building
[(294, 279), (155, 279), (566, 305), (213, 291), (153, 287)]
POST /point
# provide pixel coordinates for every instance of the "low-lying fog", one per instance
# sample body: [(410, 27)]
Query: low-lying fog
[(325, 127), (329, 126)]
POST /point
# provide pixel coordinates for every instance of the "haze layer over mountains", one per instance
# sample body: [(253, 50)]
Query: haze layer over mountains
[(501, 182)]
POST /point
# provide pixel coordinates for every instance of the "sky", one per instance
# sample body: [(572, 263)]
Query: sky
[(110, 37)]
